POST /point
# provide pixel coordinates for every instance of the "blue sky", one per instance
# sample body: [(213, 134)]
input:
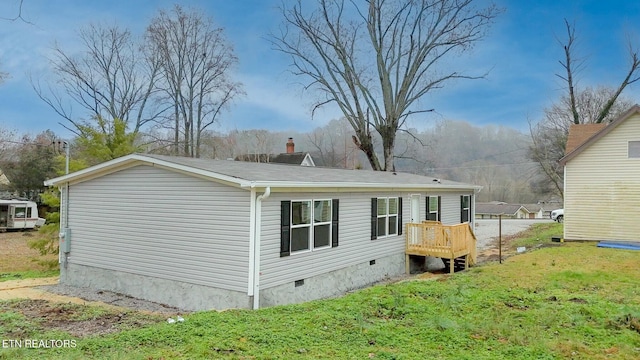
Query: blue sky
[(521, 53)]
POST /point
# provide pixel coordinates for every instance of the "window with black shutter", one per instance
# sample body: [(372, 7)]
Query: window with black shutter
[(433, 208), (308, 225), (386, 217), (465, 201)]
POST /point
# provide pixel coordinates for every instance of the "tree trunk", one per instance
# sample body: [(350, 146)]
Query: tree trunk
[(364, 143)]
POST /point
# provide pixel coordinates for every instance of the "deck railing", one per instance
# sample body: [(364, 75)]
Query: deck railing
[(431, 238)]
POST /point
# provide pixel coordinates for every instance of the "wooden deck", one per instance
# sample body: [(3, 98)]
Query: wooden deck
[(431, 238)]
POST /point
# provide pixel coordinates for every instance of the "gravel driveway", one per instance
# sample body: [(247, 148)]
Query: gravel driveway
[(487, 230)]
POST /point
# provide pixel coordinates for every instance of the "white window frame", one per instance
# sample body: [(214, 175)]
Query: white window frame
[(437, 206), (312, 224), (387, 216), (468, 208)]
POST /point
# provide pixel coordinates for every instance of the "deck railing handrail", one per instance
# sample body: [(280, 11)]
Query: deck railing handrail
[(431, 238)]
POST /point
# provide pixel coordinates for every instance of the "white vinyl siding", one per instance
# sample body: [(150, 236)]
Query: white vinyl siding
[(602, 188), (355, 245), (450, 208), (154, 222)]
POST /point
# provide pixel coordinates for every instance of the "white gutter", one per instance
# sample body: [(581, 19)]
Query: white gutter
[(353, 185), (256, 256)]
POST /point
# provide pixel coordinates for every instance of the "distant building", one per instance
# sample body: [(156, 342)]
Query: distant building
[(493, 210), (290, 157)]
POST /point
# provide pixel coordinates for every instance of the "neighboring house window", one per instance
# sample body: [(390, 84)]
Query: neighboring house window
[(465, 208), (386, 217), (308, 225), (634, 149), (433, 208)]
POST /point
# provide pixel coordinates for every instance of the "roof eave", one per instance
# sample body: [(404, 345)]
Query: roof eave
[(356, 185), (134, 159)]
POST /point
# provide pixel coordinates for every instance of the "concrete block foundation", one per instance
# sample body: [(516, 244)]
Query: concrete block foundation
[(178, 294), (194, 297), (335, 283)]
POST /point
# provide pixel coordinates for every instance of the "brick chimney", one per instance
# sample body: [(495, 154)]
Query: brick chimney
[(290, 146)]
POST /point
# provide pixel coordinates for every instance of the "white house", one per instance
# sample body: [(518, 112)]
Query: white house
[(203, 234), (602, 180)]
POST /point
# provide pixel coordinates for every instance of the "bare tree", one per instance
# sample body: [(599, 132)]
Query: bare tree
[(18, 14), (332, 145), (377, 59), (576, 106), (111, 79), (605, 104), (3, 76), (196, 61)]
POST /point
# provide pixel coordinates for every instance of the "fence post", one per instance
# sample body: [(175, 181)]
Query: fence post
[(500, 238)]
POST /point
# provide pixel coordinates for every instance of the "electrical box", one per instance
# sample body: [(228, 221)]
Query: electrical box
[(65, 240)]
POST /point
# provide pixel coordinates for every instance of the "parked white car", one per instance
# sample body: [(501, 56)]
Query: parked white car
[(557, 215)]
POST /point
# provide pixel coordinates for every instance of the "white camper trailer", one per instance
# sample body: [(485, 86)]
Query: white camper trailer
[(19, 214)]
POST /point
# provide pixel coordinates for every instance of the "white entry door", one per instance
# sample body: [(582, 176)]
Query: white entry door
[(415, 208)]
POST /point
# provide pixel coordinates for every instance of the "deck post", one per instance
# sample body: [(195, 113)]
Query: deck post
[(407, 264)]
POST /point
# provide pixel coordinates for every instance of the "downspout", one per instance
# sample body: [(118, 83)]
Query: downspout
[(256, 256), (64, 227), (252, 244), (473, 208)]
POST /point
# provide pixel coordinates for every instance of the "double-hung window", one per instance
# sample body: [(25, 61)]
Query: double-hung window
[(300, 225), (433, 208), (308, 225), (386, 217), (465, 208)]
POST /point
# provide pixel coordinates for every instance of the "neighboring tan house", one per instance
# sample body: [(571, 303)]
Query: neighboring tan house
[(290, 157), (602, 180), (536, 211), (202, 234), (493, 210)]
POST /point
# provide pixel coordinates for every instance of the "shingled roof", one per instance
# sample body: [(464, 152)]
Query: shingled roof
[(249, 175), (579, 133), (497, 208), (284, 158), (595, 134)]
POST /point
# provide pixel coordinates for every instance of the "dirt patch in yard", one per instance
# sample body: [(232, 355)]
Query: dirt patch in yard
[(76, 320)]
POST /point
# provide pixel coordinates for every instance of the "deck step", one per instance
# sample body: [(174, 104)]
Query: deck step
[(458, 264)]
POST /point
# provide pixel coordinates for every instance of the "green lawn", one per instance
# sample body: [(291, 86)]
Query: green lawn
[(561, 301)]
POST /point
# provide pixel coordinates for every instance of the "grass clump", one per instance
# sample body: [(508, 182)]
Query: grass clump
[(538, 235)]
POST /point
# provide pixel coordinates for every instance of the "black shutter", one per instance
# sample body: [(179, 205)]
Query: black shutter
[(374, 218), (334, 222), (461, 208), (439, 216), (285, 228), (400, 216), (426, 213)]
